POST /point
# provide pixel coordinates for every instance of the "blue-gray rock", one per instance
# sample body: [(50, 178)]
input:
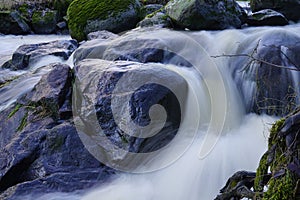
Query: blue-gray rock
[(150, 8), (266, 88), (102, 35), (267, 17), (101, 81), (30, 53), (206, 15), (160, 19)]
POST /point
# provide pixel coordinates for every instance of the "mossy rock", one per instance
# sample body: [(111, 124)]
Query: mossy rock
[(44, 22), (86, 16), (61, 6)]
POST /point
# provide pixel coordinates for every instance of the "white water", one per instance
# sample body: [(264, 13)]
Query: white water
[(239, 148)]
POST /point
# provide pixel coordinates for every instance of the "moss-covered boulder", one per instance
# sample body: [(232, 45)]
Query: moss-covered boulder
[(289, 8), (87, 16), (202, 14), (44, 22)]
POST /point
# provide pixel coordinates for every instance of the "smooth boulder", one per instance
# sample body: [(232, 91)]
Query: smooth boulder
[(102, 86), (86, 16), (206, 15), (44, 22)]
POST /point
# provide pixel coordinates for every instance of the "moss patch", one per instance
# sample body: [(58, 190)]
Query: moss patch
[(80, 11), (15, 110)]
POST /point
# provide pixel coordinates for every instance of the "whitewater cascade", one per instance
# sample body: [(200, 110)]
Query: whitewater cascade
[(192, 176)]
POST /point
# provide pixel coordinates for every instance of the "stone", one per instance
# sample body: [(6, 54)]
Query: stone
[(266, 88), (290, 8), (150, 8), (30, 53), (205, 15), (267, 17), (44, 22), (99, 80), (13, 23), (160, 19), (86, 16)]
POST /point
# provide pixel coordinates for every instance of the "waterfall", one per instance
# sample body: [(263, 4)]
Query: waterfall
[(193, 176)]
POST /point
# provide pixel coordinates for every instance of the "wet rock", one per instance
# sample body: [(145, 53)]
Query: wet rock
[(205, 15), (268, 81), (30, 53), (105, 82), (290, 9), (48, 160), (137, 45), (267, 17), (52, 90), (13, 23)]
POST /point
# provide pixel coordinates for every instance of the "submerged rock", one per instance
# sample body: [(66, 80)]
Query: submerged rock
[(267, 17), (137, 45), (206, 15), (268, 78), (30, 53), (290, 9), (86, 16)]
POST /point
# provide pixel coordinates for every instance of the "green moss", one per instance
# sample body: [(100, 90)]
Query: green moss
[(261, 171), (23, 123), (80, 11), (43, 17), (273, 139), (281, 188), (16, 109)]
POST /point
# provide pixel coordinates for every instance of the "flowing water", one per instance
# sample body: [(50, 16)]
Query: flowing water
[(194, 177)]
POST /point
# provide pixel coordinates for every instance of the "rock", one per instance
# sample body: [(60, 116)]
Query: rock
[(13, 23), (267, 17), (30, 53), (102, 35), (290, 8), (266, 88), (48, 160), (137, 45), (205, 15), (61, 25), (86, 16), (150, 8), (41, 152), (102, 82), (52, 90), (44, 22), (160, 19)]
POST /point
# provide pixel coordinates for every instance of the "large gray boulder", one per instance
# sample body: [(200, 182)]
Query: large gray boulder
[(289, 8), (203, 15)]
